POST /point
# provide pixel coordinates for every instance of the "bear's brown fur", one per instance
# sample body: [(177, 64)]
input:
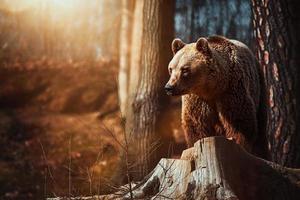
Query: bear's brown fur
[(223, 91)]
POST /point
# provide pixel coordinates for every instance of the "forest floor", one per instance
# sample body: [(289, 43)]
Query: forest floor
[(56, 121), (53, 122)]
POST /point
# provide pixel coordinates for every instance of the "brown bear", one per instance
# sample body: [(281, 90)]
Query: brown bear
[(223, 91)]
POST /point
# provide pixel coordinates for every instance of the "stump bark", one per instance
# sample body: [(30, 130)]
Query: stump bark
[(215, 169)]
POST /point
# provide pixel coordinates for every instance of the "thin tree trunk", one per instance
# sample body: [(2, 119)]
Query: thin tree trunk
[(276, 29), (152, 35), (125, 44)]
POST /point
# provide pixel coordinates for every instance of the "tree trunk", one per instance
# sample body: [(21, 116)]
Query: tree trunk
[(192, 20), (151, 39), (276, 29), (209, 17), (125, 43), (214, 169)]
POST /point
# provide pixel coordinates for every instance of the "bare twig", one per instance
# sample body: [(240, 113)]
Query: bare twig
[(70, 167)]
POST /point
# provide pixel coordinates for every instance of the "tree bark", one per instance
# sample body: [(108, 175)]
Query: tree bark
[(125, 44), (151, 39), (276, 29)]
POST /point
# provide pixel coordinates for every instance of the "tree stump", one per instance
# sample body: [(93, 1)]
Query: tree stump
[(216, 169)]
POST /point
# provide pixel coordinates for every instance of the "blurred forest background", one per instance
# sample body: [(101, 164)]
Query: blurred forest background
[(63, 65)]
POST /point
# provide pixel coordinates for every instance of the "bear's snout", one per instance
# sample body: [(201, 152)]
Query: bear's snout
[(172, 90), (169, 89)]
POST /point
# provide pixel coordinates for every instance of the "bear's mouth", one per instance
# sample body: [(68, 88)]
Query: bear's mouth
[(175, 92)]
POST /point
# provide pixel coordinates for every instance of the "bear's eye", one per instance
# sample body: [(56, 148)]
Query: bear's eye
[(185, 71), (170, 71)]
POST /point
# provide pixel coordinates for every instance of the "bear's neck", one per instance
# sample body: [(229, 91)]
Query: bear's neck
[(211, 102)]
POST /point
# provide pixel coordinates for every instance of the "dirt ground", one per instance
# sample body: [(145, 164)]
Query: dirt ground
[(53, 128), (54, 122)]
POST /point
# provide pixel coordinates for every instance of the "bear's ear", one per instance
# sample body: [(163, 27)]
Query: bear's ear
[(202, 46), (177, 44)]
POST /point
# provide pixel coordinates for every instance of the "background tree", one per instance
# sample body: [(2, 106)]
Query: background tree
[(276, 29), (230, 18), (147, 101), (124, 55)]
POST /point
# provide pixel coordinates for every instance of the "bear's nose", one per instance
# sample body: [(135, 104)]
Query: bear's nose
[(169, 89)]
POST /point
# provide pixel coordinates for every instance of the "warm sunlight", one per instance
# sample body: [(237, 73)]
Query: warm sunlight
[(57, 6), (149, 99), (71, 24), (17, 5)]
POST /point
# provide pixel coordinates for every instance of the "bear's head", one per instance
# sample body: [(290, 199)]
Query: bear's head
[(193, 69)]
